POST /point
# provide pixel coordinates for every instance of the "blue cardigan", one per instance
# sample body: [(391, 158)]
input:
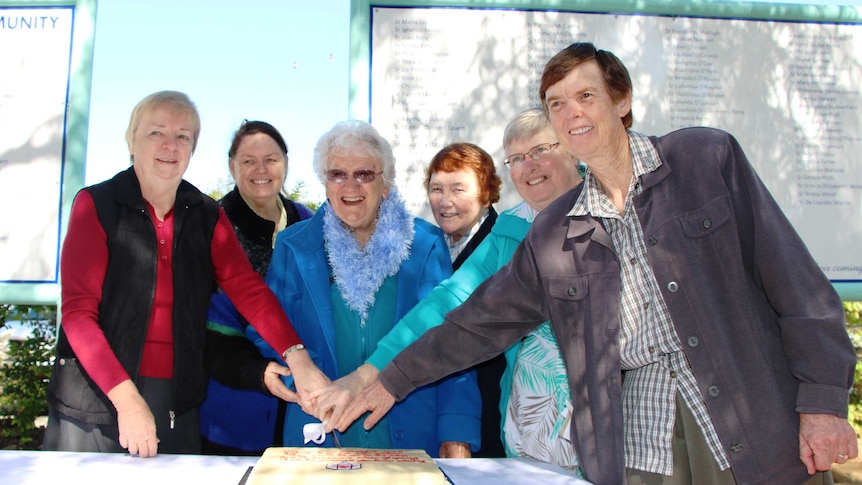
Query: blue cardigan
[(299, 276)]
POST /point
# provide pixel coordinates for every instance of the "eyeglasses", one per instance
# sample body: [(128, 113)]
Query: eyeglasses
[(536, 153), (360, 176)]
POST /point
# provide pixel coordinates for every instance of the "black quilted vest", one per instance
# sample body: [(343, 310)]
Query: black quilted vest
[(128, 290)]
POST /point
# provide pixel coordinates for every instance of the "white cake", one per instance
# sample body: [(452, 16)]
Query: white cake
[(356, 466)]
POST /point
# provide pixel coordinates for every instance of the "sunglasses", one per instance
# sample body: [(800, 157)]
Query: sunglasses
[(360, 176)]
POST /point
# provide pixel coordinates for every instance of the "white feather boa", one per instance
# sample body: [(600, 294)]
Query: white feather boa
[(358, 272)]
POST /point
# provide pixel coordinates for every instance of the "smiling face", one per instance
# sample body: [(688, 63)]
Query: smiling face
[(454, 199), (541, 181), (586, 119), (161, 146), (259, 168), (354, 203)]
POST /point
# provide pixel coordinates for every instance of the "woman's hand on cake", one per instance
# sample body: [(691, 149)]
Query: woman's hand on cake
[(333, 400), (272, 380), (375, 399), (455, 449), (307, 378)]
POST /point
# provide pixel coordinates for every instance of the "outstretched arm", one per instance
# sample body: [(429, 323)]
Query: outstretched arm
[(476, 331), (493, 252), (256, 303)]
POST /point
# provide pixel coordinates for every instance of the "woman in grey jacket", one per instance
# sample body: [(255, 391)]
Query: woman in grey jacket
[(702, 342)]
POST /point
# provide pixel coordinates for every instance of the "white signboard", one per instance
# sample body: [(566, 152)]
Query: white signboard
[(791, 93), (35, 49)]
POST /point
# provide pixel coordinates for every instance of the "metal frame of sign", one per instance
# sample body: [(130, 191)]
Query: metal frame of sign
[(74, 139)]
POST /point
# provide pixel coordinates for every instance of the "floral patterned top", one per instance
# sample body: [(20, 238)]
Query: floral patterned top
[(536, 422)]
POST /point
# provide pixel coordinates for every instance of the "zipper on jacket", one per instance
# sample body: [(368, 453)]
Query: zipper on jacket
[(172, 416), (363, 338)]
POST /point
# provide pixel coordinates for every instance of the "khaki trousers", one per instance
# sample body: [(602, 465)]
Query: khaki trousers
[(693, 463)]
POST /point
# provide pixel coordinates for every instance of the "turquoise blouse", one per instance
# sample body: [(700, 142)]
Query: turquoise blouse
[(355, 340)]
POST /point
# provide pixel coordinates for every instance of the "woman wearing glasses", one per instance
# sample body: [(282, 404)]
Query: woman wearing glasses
[(345, 277), (535, 394)]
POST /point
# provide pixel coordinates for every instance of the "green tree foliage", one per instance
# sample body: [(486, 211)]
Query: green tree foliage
[(24, 372), (297, 193)]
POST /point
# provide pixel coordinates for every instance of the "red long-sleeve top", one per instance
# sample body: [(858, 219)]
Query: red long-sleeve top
[(83, 265)]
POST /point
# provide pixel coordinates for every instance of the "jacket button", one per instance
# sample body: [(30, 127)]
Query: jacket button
[(672, 287), (62, 361), (736, 447), (693, 341), (652, 240), (572, 291), (707, 223), (713, 391)]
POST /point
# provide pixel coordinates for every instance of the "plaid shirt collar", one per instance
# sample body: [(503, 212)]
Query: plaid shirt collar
[(645, 159)]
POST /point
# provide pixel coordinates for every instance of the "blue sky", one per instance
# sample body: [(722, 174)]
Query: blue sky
[(281, 61)]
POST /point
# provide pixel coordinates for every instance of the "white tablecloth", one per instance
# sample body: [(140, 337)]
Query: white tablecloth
[(64, 468)]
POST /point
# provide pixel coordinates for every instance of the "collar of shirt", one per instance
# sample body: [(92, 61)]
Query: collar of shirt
[(592, 200), (455, 247), (523, 210), (282, 220)]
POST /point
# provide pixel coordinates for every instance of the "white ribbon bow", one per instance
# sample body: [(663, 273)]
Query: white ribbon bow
[(314, 432)]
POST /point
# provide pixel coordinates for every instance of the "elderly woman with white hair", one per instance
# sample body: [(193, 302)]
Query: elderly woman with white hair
[(345, 276)]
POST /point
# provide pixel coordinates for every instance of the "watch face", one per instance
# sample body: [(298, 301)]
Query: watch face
[(292, 349)]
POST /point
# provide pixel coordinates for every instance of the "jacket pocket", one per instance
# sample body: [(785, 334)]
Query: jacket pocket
[(72, 394), (707, 219), (568, 288)]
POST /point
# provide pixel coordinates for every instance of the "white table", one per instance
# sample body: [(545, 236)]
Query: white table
[(65, 468)]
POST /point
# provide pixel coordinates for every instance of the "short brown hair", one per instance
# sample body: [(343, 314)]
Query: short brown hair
[(460, 156), (614, 72)]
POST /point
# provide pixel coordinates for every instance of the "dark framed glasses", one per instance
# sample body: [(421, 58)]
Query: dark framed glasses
[(338, 176)]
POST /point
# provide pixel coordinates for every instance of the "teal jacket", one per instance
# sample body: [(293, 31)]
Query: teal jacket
[(299, 276), (492, 254)]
